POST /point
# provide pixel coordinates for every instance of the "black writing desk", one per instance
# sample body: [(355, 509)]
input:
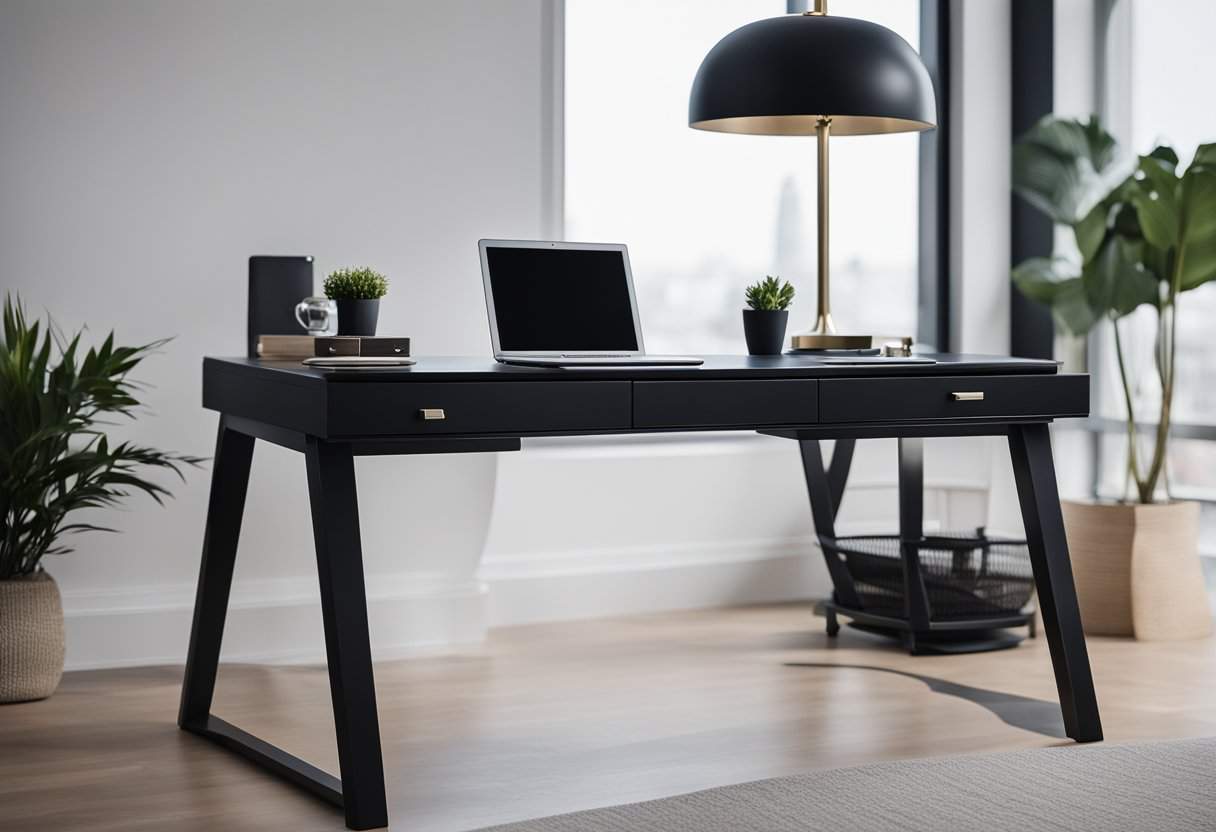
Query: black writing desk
[(455, 405)]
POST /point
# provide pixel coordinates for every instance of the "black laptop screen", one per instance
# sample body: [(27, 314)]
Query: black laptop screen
[(560, 300)]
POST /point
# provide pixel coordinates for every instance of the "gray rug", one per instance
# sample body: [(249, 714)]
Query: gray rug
[(1157, 787)]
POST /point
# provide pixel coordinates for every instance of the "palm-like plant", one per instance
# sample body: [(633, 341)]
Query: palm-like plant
[(55, 458)]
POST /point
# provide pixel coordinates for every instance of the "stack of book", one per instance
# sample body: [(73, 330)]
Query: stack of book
[(298, 347)]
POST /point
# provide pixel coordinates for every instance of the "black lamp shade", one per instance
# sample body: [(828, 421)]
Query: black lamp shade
[(780, 76)]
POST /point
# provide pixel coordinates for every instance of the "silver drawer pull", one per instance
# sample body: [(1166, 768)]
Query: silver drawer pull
[(968, 396), (433, 414)]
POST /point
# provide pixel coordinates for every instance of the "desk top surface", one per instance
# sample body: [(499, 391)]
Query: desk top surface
[(463, 368)]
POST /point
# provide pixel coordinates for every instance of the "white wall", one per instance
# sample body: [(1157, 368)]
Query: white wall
[(148, 148)]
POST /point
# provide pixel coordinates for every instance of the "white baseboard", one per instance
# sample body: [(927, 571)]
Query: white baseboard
[(592, 583), (276, 620), (279, 620)]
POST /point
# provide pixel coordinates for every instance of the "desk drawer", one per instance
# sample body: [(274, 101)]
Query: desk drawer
[(492, 407), (702, 404), (952, 397)]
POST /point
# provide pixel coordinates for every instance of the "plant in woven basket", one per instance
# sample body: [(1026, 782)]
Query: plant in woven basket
[(55, 458), (769, 295)]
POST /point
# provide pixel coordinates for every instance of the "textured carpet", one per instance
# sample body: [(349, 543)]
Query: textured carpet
[(1162, 786)]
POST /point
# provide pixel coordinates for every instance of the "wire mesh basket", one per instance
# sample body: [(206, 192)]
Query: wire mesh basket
[(966, 575)]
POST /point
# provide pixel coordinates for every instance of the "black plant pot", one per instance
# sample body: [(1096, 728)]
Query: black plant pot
[(764, 330), (358, 317)]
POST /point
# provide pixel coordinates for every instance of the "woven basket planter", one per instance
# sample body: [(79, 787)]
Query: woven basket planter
[(31, 637), (1137, 569)]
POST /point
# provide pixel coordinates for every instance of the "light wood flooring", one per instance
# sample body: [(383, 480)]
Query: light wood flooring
[(558, 717)]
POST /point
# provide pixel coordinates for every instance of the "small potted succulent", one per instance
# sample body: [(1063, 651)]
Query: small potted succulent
[(357, 293), (55, 460), (765, 318)]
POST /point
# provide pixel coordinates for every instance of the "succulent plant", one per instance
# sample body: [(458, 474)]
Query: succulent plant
[(770, 294)]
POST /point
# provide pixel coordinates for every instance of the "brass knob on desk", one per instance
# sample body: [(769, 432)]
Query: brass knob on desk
[(968, 396), (433, 414)]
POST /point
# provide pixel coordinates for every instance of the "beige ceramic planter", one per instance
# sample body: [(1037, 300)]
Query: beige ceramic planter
[(1137, 569), (31, 638)]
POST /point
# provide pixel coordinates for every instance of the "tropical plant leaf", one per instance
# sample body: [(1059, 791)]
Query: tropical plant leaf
[(1156, 201), (1205, 155), (1117, 281), (1197, 235), (1167, 154), (1057, 283), (1091, 230), (1066, 168)]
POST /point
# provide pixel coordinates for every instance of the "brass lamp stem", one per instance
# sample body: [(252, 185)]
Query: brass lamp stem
[(823, 336), (823, 321)]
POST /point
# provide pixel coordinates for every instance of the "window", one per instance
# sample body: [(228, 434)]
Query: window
[(1168, 62), (704, 214)]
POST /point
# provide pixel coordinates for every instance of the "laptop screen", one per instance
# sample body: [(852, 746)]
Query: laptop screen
[(561, 300)]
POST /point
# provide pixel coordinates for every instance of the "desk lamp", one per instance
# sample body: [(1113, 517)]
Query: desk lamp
[(811, 74)]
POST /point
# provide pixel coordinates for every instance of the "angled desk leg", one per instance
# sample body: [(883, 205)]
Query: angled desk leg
[(335, 523), (229, 482), (331, 482), (1034, 470), (911, 532), (825, 488)]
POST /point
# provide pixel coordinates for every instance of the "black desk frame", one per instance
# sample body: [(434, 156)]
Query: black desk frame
[(360, 790)]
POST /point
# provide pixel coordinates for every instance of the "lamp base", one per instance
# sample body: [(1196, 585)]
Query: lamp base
[(830, 341)]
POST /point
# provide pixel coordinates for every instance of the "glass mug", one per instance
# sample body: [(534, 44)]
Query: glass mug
[(317, 315)]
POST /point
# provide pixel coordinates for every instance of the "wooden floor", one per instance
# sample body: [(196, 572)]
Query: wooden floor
[(559, 717)]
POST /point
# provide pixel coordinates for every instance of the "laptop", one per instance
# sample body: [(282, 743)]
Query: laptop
[(564, 305)]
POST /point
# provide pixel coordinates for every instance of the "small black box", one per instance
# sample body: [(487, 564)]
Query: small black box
[(330, 345), (380, 346)]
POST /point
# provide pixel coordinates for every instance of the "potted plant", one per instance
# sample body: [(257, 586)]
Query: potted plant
[(357, 293), (1145, 235), (765, 318), (55, 460)]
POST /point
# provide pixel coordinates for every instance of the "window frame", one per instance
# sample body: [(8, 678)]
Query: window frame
[(1111, 65), (935, 283)]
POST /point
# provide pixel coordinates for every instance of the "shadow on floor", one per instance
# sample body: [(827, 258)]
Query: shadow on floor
[(1022, 712)]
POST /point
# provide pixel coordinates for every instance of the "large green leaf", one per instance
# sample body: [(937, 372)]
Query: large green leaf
[(1057, 283), (1205, 154), (1156, 199), (1165, 153), (1197, 238), (1040, 278), (1066, 168), (1091, 230), (1116, 280)]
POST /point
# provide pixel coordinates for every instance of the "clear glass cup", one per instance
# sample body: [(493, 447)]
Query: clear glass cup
[(317, 315)]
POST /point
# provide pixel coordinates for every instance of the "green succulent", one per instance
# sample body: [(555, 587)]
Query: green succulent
[(356, 284), (770, 294)]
